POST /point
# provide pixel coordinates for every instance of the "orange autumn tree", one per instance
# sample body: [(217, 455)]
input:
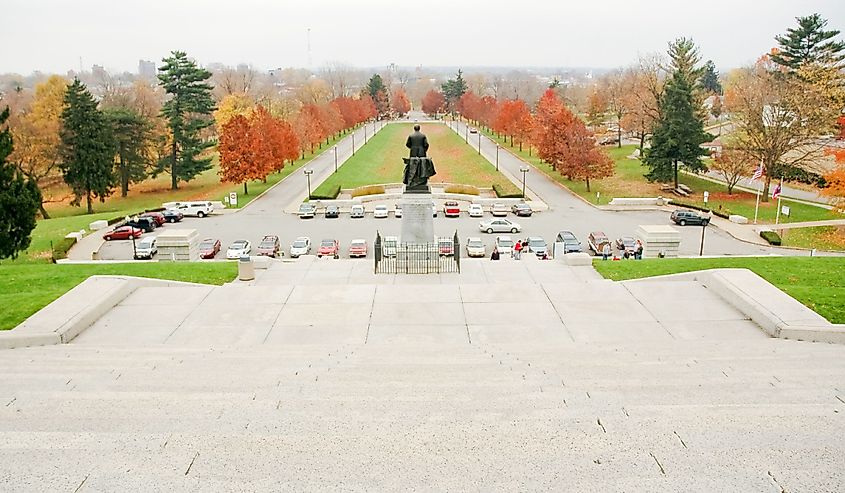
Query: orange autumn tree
[(433, 103), (237, 153), (836, 181), (400, 103), (511, 118)]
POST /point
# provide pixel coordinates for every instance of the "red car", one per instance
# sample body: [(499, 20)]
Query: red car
[(358, 248), (158, 216), (329, 248), (451, 209), (123, 233), (209, 248)]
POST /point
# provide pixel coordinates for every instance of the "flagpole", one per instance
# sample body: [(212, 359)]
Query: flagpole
[(757, 205), (780, 192), (757, 174)]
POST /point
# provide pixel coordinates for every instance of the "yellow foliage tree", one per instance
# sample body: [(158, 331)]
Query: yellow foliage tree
[(231, 105)]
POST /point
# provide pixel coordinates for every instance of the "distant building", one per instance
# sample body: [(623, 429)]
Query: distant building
[(99, 72), (146, 69)]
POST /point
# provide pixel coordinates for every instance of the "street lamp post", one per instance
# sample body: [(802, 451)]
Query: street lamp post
[(701, 249), (308, 173), (479, 142), (466, 133), (365, 133), (335, 159), (353, 142), (524, 170), (497, 156)]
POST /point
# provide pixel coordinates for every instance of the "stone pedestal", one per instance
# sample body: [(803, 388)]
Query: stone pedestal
[(417, 221), (179, 245), (659, 240)]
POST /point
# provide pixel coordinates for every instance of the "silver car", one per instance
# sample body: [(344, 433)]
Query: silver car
[(475, 247), (499, 226), (504, 244), (300, 246)]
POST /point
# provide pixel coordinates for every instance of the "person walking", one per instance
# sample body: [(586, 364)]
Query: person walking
[(495, 254), (638, 251), (517, 250), (605, 251)]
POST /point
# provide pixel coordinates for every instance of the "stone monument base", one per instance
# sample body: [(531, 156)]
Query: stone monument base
[(417, 221)]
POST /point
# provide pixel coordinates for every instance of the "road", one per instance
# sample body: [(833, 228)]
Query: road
[(266, 215)]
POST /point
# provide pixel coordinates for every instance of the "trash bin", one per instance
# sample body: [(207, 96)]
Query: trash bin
[(246, 269)]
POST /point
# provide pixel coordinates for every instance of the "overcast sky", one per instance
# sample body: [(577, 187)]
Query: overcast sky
[(53, 35)]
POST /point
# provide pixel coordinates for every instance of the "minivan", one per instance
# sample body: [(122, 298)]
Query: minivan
[(146, 248), (198, 209)]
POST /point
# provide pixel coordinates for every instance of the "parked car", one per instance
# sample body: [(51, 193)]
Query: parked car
[(627, 244), (209, 248), (238, 249), (397, 212), (538, 246), (358, 248), (380, 212), (357, 212), (332, 212), (172, 215), (475, 210), (475, 247), (499, 226), (446, 246), (451, 209), (522, 209), (499, 210), (198, 209), (473, 130), (596, 241), (307, 211), (148, 224), (504, 244), (682, 218), (389, 245), (123, 233), (300, 246), (328, 248), (158, 217), (570, 242), (269, 246), (146, 248)]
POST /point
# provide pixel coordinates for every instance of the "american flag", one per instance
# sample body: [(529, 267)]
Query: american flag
[(776, 191), (757, 172)]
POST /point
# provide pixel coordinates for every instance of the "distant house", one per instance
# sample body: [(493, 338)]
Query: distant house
[(714, 146)]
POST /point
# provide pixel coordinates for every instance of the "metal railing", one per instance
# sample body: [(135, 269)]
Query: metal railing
[(392, 257)]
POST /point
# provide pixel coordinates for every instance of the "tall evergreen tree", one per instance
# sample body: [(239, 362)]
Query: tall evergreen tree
[(87, 149), (132, 136), (188, 112), (453, 89), (679, 132), (378, 92), (710, 79), (809, 43), (20, 200)]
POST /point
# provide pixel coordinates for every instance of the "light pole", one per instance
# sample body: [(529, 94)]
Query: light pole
[(353, 142), (497, 156), (479, 142), (466, 133), (365, 133), (308, 173), (335, 159), (524, 170), (703, 227)]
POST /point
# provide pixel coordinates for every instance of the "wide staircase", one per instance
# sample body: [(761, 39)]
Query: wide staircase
[(512, 376)]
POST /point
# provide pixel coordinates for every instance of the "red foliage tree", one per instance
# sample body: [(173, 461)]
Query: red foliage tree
[(308, 127), (433, 103), (583, 157), (400, 103), (236, 149), (511, 118)]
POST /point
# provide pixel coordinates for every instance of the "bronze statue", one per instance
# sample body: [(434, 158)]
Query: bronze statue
[(418, 167)]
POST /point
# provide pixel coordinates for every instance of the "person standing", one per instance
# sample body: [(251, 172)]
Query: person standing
[(605, 251), (517, 250), (495, 254), (638, 251)]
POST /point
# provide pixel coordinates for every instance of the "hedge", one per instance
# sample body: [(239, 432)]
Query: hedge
[(502, 195), (61, 248), (770, 236), (464, 189), (726, 214), (333, 193), (367, 190)]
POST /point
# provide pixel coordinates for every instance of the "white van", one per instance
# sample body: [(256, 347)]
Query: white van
[(146, 248), (198, 209)]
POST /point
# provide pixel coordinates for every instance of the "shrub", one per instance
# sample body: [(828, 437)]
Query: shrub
[(331, 195), (465, 189), (770, 236), (367, 190), (693, 206), (502, 194), (61, 248), (725, 215)]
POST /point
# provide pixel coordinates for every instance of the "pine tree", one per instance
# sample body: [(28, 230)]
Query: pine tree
[(679, 132), (87, 148), (809, 43), (188, 112), (453, 89), (710, 79), (20, 200), (132, 135)]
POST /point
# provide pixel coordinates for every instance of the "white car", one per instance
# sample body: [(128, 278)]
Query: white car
[(475, 247), (238, 249), (475, 210), (398, 211), (357, 211), (300, 246), (499, 226), (504, 244), (380, 212), (499, 210), (146, 248)]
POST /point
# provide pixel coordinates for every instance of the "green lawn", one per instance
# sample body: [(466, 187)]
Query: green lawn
[(818, 282), (818, 237), (25, 289), (380, 161)]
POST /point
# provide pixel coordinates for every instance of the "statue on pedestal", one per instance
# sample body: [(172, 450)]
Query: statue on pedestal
[(418, 167)]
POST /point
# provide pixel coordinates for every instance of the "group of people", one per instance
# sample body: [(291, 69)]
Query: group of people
[(516, 251), (637, 254)]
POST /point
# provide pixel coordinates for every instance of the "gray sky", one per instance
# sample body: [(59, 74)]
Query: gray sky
[(52, 35)]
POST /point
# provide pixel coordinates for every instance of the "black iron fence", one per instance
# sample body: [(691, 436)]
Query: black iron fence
[(393, 257)]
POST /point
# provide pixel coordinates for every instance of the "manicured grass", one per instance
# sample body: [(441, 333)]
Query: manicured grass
[(629, 181), (818, 282), (25, 289), (380, 161), (819, 237)]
